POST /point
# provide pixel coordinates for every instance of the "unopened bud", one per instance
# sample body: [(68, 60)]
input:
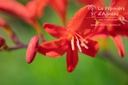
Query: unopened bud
[(32, 49), (2, 41)]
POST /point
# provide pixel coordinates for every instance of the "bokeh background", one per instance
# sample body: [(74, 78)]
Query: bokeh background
[(108, 68)]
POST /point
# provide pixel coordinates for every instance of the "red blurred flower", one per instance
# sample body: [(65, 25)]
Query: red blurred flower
[(33, 10), (21, 12), (114, 25), (122, 17), (37, 7), (71, 39)]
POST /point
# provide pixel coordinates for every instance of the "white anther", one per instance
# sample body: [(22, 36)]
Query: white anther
[(84, 45), (78, 44), (82, 41), (72, 43)]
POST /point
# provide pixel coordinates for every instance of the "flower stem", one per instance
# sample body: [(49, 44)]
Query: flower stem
[(108, 55), (14, 48)]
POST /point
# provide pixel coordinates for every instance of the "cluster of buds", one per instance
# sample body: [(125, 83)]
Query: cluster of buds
[(80, 34)]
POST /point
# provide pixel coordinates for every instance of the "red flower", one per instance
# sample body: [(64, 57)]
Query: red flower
[(122, 22), (71, 39), (33, 10), (37, 7), (122, 17), (117, 24), (21, 12)]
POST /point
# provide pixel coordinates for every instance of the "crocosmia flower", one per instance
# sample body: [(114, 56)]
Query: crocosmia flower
[(23, 13), (115, 23), (122, 17), (71, 39)]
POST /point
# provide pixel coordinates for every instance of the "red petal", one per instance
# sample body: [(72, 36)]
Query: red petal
[(72, 59), (98, 32), (3, 23), (92, 48), (60, 7), (122, 29), (32, 49), (40, 7), (92, 2), (37, 7), (20, 11), (120, 3), (31, 6), (82, 21), (119, 45), (53, 48), (55, 31)]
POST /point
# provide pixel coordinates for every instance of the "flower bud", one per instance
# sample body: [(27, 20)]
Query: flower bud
[(32, 49), (2, 41)]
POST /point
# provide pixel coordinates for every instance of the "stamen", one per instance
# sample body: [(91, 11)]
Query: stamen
[(83, 41), (72, 43), (78, 45), (83, 44), (123, 20)]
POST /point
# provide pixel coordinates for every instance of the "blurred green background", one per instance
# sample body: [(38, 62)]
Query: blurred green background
[(101, 70)]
